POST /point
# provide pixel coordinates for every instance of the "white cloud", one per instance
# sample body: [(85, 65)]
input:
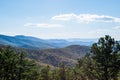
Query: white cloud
[(64, 17), (43, 25), (86, 18)]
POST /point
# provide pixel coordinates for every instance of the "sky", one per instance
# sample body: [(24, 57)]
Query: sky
[(60, 19)]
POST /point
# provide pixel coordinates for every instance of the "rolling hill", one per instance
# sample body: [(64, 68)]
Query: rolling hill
[(55, 57)]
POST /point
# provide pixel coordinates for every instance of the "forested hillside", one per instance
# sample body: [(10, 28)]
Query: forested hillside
[(102, 62), (54, 57)]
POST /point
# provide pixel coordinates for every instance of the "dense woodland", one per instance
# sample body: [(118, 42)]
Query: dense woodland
[(102, 62)]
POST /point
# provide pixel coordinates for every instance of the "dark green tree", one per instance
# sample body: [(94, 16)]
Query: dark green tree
[(15, 66), (85, 68), (62, 72), (106, 54), (45, 73), (8, 61)]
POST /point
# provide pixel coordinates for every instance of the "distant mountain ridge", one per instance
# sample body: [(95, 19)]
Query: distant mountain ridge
[(23, 42), (33, 42)]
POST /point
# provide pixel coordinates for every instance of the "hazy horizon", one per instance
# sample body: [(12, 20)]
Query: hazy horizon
[(60, 19)]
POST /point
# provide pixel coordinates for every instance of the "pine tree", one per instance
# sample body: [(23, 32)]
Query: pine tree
[(15, 66), (105, 53)]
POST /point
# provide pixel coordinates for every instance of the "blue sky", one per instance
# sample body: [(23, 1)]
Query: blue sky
[(60, 18)]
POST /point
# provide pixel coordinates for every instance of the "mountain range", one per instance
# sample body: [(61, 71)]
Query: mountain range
[(37, 43), (48, 51)]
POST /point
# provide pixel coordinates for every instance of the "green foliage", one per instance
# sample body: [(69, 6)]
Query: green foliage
[(106, 54), (45, 73), (102, 63), (15, 66)]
